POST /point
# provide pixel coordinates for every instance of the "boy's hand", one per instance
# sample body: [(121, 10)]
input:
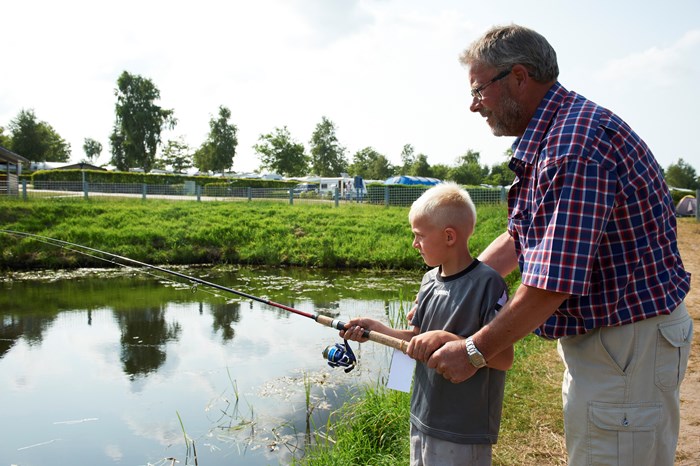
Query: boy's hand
[(450, 361), (409, 316), (355, 328), (422, 346)]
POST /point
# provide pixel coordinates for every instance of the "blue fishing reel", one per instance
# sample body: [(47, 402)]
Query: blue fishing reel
[(340, 355)]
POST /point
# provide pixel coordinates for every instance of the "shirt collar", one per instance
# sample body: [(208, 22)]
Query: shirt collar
[(525, 147)]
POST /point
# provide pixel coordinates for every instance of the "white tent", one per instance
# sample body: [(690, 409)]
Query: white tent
[(687, 207)]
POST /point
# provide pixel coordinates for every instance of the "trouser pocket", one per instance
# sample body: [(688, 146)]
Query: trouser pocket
[(622, 434), (672, 352)]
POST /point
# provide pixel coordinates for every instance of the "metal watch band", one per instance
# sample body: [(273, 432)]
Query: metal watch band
[(475, 357)]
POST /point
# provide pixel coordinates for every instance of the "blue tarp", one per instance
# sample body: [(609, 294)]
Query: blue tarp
[(409, 180)]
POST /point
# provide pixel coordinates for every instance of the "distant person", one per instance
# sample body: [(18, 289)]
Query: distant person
[(451, 424), (591, 226)]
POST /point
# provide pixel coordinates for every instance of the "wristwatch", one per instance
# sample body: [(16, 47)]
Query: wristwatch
[(475, 357)]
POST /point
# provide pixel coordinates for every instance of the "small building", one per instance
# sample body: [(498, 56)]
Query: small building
[(80, 166), (11, 164)]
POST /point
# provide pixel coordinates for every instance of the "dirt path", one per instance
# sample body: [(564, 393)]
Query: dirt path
[(688, 453)]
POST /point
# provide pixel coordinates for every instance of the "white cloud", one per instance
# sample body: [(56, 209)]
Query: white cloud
[(663, 67)]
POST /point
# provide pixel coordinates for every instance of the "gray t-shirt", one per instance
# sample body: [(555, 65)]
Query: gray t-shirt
[(468, 412)]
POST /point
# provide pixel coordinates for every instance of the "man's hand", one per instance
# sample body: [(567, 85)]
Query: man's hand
[(451, 361)]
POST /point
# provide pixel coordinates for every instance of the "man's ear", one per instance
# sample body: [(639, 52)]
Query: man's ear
[(521, 73)]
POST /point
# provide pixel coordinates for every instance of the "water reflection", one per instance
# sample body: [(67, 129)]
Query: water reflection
[(144, 333), (136, 355)]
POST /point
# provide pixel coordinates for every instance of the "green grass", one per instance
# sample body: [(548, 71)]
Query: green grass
[(166, 232)]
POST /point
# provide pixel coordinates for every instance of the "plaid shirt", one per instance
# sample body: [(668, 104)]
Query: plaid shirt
[(592, 217)]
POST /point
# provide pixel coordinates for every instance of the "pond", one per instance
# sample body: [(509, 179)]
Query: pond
[(128, 367)]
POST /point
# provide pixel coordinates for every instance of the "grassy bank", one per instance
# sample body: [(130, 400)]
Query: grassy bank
[(372, 429), (166, 232)]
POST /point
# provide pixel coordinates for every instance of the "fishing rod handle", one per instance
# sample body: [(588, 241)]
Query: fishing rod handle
[(376, 337)]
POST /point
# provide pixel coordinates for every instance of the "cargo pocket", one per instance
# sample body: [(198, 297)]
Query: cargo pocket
[(622, 434), (672, 352)]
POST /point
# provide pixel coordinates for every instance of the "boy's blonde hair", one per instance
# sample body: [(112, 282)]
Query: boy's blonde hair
[(445, 205)]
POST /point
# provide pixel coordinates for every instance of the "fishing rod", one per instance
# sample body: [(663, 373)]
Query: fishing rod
[(339, 355)]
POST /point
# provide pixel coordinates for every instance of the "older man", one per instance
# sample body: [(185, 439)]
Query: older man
[(591, 226)]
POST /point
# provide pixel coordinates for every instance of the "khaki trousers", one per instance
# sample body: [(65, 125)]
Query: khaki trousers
[(621, 391)]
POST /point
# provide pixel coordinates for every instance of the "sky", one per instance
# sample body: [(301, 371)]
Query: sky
[(385, 72)]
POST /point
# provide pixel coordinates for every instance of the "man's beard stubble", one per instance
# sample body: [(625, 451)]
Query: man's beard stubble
[(507, 121)]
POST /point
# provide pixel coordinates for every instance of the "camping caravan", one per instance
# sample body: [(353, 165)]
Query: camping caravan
[(348, 187), (687, 207)]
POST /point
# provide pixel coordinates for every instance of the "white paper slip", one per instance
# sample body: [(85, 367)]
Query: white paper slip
[(401, 372)]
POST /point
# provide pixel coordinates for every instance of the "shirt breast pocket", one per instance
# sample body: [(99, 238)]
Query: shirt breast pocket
[(519, 222)]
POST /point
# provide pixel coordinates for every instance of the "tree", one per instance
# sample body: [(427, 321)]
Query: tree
[(501, 174), (280, 154), (178, 155), (139, 123), (371, 165), (408, 157), (37, 140), (441, 171), (468, 170), (92, 149), (5, 139), (681, 175), (327, 155), (420, 166), (217, 152)]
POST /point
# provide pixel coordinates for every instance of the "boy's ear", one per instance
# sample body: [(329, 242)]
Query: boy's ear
[(450, 235)]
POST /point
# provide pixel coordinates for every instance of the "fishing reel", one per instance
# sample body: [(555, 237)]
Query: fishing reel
[(340, 355)]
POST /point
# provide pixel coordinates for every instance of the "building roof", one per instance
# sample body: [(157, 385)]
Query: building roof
[(80, 166), (7, 155)]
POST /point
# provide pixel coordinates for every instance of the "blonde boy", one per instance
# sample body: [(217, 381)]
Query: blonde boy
[(451, 424)]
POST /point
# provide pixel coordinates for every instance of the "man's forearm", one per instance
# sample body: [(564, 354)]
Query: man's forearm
[(525, 311)]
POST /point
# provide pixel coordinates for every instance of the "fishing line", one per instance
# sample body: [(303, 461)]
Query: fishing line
[(339, 355)]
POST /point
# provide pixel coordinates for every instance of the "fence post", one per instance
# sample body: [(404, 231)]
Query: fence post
[(503, 194), (24, 189), (386, 196), (336, 196), (291, 197), (143, 194), (85, 185), (250, 193), (198, 191)]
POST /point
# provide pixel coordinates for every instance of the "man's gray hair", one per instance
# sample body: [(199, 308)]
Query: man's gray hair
[(502, 47)]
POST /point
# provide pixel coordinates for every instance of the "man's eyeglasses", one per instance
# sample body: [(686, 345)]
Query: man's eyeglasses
[(476, 92)]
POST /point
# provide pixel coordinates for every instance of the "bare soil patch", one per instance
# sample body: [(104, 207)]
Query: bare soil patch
[(688, 453)]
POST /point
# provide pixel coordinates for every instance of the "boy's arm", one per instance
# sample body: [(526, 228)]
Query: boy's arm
[(355, 328), (423, 345), (502, 361)]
